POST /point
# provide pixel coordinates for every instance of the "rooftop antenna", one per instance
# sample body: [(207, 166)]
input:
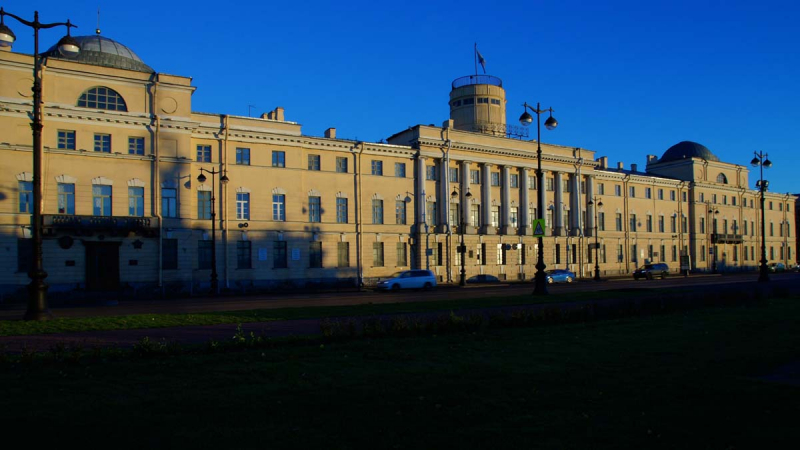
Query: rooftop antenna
[(250, 110), (97, 30)]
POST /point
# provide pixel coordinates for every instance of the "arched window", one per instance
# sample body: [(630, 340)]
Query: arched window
[(721, 179), (102, 98)]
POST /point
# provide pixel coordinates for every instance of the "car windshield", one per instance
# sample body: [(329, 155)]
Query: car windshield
[(397, 275)]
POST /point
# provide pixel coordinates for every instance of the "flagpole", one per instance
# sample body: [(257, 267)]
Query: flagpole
[(475, 57)]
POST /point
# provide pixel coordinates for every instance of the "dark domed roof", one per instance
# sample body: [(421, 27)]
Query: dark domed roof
[(102, 51), (687, 149)]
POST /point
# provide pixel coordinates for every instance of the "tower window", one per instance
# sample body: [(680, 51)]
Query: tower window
[(469, 101), (495, 101), (102, 98), (457, 103), (483, 100)]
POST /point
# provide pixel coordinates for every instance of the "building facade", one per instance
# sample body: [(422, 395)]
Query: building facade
[(124, 209)]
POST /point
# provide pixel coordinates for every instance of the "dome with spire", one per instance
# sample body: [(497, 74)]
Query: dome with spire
[(687, 149), (102, 51)]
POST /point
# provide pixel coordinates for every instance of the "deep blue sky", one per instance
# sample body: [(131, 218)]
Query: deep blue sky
[(626, 78)]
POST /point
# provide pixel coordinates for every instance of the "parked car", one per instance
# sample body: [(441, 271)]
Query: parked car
[(650, 271), (479, 279), (777, 267), (560, 276), (409, 279)]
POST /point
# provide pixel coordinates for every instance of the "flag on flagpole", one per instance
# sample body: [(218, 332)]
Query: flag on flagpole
[(481, 60)]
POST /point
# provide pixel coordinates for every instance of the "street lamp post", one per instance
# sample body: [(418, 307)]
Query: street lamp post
[(222, 179), (525, 119), (68, 46), (462, 250), (762, 161), (598, 204)]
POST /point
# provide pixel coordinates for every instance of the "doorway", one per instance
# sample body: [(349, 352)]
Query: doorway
[(102, 266)]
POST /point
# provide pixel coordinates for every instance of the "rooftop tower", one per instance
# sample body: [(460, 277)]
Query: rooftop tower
[(478, 104)]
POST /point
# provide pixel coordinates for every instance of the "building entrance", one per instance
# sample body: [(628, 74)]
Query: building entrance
[(102, 266)]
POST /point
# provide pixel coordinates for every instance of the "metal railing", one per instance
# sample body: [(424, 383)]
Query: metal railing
[(477, 79), (97, 223)]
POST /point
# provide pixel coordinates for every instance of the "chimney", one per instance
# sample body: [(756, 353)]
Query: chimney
[(603, 160), (330, 133), (634, 167), (620, 166), (279, 113)]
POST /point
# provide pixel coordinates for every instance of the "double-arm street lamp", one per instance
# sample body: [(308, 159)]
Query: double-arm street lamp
[(526, 119), (223, 180), (462, 249), (68, 46), (761, 160), (598, 204)]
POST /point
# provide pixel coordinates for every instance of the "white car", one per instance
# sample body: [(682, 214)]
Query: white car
[(409, 279)]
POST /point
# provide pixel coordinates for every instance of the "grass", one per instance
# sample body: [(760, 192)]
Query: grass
[(64, 325), (684, 380)]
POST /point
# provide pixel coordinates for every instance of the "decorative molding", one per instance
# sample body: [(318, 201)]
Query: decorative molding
[(135, 182), (103, 180), (377, 196), (203, 187), (279, 191), (314, 193), (341, 194), (242, 189), (66, 179), (25, 176)]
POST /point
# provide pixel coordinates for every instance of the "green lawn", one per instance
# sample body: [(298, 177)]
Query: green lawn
[(62, 325), (685, 380)]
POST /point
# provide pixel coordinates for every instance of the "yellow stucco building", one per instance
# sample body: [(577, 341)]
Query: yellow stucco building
[(124, 210)]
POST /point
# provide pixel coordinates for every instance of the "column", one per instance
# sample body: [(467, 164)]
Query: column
[(420, 194), (486, 199), (590, 208), (463, 189), (505, 200), (575, 205), (542, 196), (443, 197), (558, 205), (524, 211)]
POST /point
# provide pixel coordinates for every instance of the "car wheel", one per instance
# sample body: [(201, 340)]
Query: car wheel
[(649, 276), (427, 287), (569, 280), (395, 287)]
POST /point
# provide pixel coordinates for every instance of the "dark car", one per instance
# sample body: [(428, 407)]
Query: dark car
[(777, 267), (650, 271), (560, 276), (483, 278)]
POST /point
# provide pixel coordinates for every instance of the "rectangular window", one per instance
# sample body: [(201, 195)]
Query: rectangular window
[(501, 254), (475, 177), (169, 202), (101, 200), (619, 221), (377, 254), (431, 214), (601, 221), (400, 212), (24, 255), (243, 156), (702, 197), (341, 164), (26, 197), (203, 153), (136, 201), (620, 253), (436, 252), (683, 195), (343, 254), (649, 223), (66, 198), (278, 159), (243, 253), (558, 253), (454, 175), (601, 189), (377, 212), (661, 224), (314, 209), (315, 255), (279, 207), (550, 184), (514, 180), (672, 195), (618, 190), (279, 257), (400, 170), (495, 178), (661, 194), (673, 224), (430, 173), (169, 254), (102, 143), (402, 254), (203, 255), (482, 254), (136, 146), (648, 193), (66, 139), (314, 162), (634, 254), (632, 191), (566, 186), (475, 215), (724, 199), (377, 167), (495, 216), (341, 210), (242, 206), (483, 100), (204, 205), (632, 223), (513, 216), (532, 182)]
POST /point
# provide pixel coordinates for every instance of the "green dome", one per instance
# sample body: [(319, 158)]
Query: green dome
[(102, 51), (687, 149)]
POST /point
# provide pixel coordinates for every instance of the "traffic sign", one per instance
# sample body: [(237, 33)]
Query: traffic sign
[(538, 228)]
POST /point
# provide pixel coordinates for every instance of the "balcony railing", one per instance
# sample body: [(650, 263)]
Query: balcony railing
[(722, 238), (477, 79), (91, 224)]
